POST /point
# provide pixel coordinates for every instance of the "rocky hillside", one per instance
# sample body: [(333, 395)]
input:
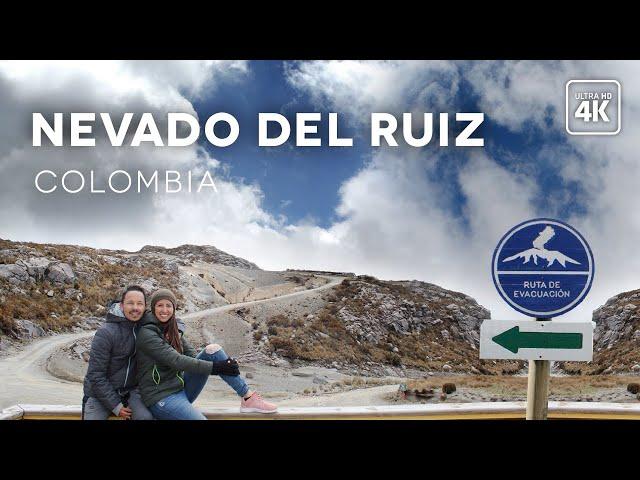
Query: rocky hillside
[(363, 325), (197, 253), (379, 327), (53, 287), (616, 339)]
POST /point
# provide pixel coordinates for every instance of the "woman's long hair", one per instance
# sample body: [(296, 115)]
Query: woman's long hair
[(172, 334)]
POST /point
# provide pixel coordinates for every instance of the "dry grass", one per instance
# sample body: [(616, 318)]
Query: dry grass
[(326, 339), (517, 386), (105, 283), (623, 355)]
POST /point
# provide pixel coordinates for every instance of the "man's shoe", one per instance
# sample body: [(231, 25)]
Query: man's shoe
[(255, 403)]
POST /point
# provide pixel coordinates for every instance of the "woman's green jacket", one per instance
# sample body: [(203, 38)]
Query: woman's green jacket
[(160, 366)]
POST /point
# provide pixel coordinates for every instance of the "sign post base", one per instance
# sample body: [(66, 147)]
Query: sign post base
[(538, 389)]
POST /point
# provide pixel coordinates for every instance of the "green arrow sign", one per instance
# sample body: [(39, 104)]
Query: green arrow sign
[(513, 339)]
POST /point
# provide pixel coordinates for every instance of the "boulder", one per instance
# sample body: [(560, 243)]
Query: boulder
[(15, 274), (3, 344), (149, 285), (26, 328), (78, 349), (60, 273), (93, 322), (72, 293), (35, 266)]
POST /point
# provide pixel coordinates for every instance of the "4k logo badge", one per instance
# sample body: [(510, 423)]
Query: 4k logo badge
[(593, 107)]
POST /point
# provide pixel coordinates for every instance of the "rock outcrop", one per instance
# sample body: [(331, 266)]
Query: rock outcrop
[(375, 311), (374, 327), (32, 270), (60, 273), (54, 287), (14, 274), (617, 320), (194, 253), (616, 338)]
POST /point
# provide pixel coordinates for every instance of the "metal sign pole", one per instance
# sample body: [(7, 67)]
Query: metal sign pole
[(538, 387)]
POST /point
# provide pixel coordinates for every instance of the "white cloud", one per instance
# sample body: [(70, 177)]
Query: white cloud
[(605, 169), (399, 217), (517, 95), (357, 88), (101, 86)]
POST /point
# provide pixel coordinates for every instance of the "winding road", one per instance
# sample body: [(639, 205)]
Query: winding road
[(25, 379)]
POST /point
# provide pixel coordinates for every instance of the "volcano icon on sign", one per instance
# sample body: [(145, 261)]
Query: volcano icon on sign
[(538, 250)]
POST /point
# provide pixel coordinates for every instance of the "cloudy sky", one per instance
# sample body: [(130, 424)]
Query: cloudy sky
[(433, 214)]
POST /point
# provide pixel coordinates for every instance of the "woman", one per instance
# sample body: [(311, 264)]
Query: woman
[(171, 375)]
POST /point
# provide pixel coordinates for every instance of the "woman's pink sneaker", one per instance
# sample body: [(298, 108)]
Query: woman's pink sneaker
[(255, 403)]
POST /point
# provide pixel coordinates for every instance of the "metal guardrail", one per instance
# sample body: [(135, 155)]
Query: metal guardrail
[(459, 411)]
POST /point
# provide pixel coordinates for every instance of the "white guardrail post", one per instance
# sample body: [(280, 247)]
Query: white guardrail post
[(11, 413)]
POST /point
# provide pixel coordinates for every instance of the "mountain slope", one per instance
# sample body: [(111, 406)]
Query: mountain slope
[(370, 326), (53, 287), (616, 339), (363, 323)]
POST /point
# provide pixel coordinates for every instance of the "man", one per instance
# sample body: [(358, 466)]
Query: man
[(110, 384)]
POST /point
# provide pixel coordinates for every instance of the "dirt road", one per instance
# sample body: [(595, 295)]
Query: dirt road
[(333, 281), (25, 379)]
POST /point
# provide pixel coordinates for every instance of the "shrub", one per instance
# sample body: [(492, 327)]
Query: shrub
[(448, 388), (6, 323), (285, 346), (271, 330), (357, 382), (296, 279), (8, 259), (282, 321), (393, 358), (633, 388), (257, 336)]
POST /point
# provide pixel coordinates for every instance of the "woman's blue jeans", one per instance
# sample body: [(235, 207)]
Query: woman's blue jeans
[(178, 406)]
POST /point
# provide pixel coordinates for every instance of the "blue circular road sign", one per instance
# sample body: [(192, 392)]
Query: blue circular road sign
[(543, 268)]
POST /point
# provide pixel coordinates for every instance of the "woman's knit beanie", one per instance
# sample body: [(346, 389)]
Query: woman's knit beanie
[(162, 294)]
